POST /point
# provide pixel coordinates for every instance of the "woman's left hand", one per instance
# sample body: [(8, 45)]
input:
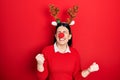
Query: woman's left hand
[(94, 67)]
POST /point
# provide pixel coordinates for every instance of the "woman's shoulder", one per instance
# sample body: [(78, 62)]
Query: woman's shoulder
[(74, 50), (48, 48), (47, 51)]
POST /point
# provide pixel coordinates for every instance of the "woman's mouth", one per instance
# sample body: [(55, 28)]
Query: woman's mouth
[(61, 39)]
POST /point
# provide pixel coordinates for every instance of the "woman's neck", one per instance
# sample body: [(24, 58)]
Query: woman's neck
[(62, 47)]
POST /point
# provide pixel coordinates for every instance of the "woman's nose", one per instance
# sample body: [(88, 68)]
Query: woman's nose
[(61, 35)]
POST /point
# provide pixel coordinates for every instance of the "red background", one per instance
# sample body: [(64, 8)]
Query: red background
[(25, 30)]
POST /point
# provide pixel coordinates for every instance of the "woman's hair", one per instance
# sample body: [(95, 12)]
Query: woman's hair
[(69, 29)]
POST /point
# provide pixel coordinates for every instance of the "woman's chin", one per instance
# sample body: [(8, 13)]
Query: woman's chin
[(62, 43)]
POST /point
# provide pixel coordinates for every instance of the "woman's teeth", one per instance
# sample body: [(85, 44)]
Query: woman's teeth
[(62, 39)]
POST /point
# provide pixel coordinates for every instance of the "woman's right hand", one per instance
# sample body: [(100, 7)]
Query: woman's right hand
[(40, 61)]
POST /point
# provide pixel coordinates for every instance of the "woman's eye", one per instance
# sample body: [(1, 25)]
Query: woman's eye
[(58, 32), (64, 32)]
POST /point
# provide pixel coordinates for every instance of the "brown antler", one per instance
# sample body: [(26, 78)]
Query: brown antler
[(72, 13), (54, 11)]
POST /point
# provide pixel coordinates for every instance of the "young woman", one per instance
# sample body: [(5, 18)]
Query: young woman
[(60, 61)]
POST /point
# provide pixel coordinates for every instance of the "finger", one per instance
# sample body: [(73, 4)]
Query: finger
[(98, 66), (94, 63), (40, 58), (37, 55), (41, 54)]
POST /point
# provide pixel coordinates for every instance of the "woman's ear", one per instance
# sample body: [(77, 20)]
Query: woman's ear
[(55, 35), (70, 36)]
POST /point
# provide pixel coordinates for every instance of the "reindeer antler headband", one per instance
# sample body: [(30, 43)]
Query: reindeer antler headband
[(71, 11)]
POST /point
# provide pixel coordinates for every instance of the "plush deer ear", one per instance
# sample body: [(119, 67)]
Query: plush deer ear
[(54, 23), (72, 23)]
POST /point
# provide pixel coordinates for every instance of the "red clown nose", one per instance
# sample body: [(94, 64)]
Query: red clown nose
[(61, 35)]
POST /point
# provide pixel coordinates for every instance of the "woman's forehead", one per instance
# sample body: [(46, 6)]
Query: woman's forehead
[(62, 28)]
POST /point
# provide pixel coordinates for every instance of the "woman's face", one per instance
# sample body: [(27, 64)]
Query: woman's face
[(66, 36)]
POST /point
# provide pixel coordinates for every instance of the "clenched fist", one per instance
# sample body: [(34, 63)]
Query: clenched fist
[(94, 67), (40, 61)]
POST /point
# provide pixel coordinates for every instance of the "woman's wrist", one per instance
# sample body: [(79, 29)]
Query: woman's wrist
[(89, 70), (85, 73), (40, 67)]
